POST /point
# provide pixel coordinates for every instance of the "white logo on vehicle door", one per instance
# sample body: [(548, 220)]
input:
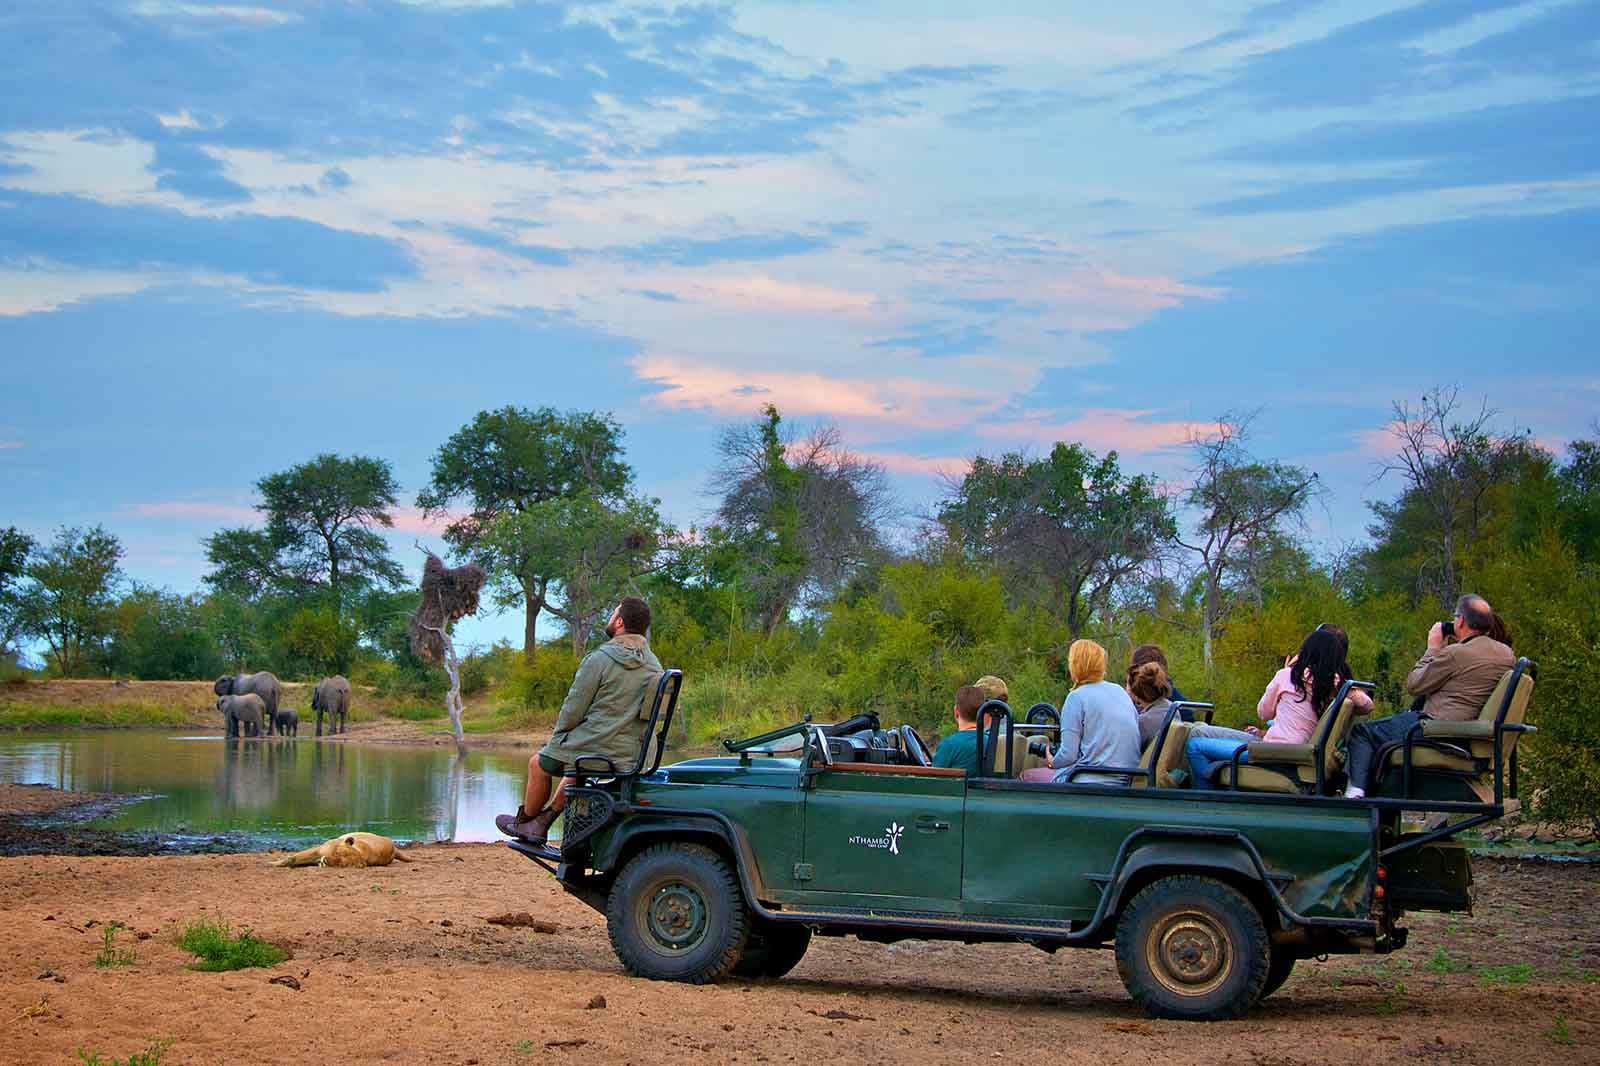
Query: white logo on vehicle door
[(890, 839)]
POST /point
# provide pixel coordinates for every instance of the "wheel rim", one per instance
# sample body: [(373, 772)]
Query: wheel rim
[(1188, 953), (676, 917)]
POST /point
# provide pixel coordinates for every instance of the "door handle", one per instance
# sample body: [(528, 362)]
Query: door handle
[(930, 825)]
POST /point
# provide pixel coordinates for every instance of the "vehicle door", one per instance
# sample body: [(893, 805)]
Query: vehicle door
[(888, 832)]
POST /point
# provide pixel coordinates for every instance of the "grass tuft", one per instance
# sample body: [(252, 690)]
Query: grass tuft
[(150, 1056), (216, 948), (111, 955), (1518, 973)]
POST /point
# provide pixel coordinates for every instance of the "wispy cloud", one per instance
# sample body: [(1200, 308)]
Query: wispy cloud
[(1104, 429), (9, 445)]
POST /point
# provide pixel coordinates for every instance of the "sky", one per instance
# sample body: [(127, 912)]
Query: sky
[(233, 236)]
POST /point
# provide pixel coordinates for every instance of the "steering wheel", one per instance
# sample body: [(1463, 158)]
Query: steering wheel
[(914, 746), (1043, 714)]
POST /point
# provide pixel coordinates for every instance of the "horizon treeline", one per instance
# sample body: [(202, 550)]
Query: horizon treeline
[(803, 592)]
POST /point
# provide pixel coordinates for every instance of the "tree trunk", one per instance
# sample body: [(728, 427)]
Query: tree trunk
[(1208, 617), (530, 623)]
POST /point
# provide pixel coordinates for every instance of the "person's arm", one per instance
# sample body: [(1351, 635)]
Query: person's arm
[(1069, 747), (1267, 708), (1431, 672), (944, 754), (584, 686)]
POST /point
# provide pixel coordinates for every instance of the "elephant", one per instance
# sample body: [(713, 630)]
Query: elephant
[(243, 714), (332, 697), (262, 684), (287, 722)]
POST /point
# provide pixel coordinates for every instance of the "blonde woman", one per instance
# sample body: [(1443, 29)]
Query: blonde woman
[(1099, 725)]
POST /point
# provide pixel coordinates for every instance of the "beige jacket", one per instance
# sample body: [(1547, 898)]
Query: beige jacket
[(1457, 678)]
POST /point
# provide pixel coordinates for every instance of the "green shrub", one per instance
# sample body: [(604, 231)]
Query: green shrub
[(542, 684), (216, 948), (111, 955), (112, 715), (150, 1056)]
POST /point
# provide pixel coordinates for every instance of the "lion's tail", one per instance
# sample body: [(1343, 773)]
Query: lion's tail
[(400, 856)]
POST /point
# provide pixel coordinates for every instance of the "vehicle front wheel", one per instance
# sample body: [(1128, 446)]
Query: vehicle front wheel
[(675, 913), (774, 948), (1193, 948)]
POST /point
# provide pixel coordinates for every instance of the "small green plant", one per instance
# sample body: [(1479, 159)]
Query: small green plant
[(1443, 963), (150, 1056), (1517, 973), (110, 954), (216, 947), (523, 1047), (1558, 1034), (1391, 999)]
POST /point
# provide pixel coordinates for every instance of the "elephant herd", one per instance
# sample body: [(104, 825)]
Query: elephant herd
[(249, 705)]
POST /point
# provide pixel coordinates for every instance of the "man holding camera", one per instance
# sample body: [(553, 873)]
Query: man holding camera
[(1453, 680)]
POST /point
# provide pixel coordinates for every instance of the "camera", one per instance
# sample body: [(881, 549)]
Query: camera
[(1448, 627)]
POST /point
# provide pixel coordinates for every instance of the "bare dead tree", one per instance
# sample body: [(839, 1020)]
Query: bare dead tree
[(448, 595), (1243, 505), (1449, 463)]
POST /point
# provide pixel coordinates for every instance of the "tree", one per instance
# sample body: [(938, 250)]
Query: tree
[(71, 590), (506, 462), (320, 542), (1244, 506), (1071, 525), (590, 551), (160, 636), (1449, 468), (15, 547), (804, 514)]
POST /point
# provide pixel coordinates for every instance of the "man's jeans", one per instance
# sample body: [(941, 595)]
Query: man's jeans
[(1368, 737), (1209, 745)]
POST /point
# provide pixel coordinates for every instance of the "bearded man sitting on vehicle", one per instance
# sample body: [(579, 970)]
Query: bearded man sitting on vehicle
[(603, 715)]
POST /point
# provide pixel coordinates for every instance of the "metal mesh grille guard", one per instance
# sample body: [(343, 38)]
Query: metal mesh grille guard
[(588, 810)]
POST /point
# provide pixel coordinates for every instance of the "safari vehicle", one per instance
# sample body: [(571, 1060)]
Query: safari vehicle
[(730, 865)]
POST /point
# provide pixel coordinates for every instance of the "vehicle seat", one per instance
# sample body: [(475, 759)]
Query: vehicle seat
[(1021, 758), (1292, 768), (1465, 750), (1166, 755)]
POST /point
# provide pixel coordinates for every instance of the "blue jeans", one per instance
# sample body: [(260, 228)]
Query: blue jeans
[(1205, 754)]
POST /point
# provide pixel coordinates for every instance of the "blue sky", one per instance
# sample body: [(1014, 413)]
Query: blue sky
[(235, 235)]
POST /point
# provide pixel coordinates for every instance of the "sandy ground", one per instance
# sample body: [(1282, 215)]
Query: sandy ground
[(397, 965)]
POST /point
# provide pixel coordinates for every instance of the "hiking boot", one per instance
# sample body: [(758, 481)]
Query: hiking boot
[(532, 830)]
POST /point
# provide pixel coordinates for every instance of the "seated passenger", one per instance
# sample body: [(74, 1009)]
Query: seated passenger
[(1453, 678), (1149, 689), (1293, 702), (959, 750), (1099, 725), (994, 688), (1152, 653)]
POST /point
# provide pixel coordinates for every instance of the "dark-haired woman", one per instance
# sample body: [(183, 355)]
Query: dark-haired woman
[(1292, 703)]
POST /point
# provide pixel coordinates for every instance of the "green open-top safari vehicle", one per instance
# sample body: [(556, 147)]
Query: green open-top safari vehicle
[(729, 865)]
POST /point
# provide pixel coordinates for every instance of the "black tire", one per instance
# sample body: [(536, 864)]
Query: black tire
[(774, 948), (1193, 948), (675, 913), (1278, 970)]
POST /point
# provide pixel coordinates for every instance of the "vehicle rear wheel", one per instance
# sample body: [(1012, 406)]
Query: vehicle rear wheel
[(1278, 970), (675, 913), (774, 948), (1193, 948)]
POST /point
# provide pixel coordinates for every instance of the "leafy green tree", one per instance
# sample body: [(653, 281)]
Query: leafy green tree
[(508, 462), (319, 549), (1245, 508), (803, 514), (160, 636), (592, 551), (15, 547), (71, 591), (1070, 527), (1578, 499)]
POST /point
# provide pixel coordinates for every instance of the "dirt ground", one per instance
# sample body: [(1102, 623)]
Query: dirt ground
[(397, 965)]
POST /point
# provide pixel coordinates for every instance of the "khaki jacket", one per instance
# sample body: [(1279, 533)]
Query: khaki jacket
[(605, 710), (1457, 678)]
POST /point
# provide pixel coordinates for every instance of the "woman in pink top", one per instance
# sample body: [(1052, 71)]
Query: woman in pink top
[(1292, 704)]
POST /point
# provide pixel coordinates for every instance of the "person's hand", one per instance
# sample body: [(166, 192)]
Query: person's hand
[(1254, 731), (1288, 660), (1436, 636)]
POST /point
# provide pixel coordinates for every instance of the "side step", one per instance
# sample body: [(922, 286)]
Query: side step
[(933, 922)]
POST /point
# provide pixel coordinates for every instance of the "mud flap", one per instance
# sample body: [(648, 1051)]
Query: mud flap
[(1433, 877)]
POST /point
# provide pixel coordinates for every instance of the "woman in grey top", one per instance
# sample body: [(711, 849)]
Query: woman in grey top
[(1099, 725)]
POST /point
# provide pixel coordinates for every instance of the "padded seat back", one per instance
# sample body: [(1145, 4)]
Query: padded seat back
[(1168, 755), (1021, 759), (1496, 710), (1334, 734)]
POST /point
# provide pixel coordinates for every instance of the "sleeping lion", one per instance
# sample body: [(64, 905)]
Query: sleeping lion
[(351, 849)]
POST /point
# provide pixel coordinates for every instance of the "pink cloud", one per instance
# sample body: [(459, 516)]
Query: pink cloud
[(6, 445), (687, 385), (1102, 429), (762, 293), (925, 465), (411, 520)]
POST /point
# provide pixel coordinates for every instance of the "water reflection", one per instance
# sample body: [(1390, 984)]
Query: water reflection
[(276, 791)]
